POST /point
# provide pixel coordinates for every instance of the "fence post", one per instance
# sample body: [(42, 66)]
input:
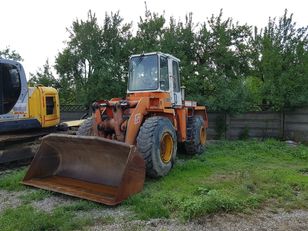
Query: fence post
[(228, 125), (282, 124)]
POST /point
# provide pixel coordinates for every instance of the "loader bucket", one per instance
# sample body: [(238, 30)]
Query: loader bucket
[(88, 167)]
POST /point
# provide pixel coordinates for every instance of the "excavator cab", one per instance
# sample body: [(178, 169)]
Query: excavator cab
[(13, 89)]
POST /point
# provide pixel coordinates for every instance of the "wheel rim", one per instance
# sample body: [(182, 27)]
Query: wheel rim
[(202, 135), (166, 148)]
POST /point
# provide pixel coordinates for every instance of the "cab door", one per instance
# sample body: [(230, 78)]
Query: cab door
[(174, 82)]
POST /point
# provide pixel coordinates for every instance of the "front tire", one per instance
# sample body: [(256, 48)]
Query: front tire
[(85, 128), (157, 143)]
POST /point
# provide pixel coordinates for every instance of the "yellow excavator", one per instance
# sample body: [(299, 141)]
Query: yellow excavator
[(126, 138), (23, 107), (26, 113)]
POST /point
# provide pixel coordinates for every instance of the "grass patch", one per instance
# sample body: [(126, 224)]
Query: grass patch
[(27, 218), (65, 217), (106, 220), (12, 180), (228, 177), (80, 205), (36, 195)]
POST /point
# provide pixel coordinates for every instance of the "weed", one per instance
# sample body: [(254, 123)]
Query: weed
[(11, 181), (244, 135), (106, 220), (79, 205), (36, 195), (303, 170), (150, 209)]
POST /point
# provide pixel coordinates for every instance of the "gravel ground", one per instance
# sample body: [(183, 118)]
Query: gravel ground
[(296, 220), (118, 214), (48, 204), (10, 199)]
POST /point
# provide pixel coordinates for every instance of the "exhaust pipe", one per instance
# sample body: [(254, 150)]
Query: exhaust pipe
[(183, 92)]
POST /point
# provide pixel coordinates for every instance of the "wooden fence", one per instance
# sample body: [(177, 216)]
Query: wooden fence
[(283, 125)]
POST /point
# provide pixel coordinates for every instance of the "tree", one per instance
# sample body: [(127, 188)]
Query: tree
[(75, 64), (223, 57), (223, 63), (281, 62), (149, 34), (7, 53), (92, 64), (179, 39), (110, 77), (43, 76)]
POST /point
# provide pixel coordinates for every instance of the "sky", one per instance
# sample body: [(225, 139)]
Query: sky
[(37, 29)]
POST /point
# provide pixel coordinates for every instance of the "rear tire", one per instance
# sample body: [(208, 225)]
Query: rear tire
[(196, 135), (157, 143), (85, 128)]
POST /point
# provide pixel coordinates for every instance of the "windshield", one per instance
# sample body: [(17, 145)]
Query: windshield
[(10, 87), (143, 73)]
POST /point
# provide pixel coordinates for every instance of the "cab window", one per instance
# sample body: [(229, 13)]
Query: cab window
[(50, 105), (176, 76), (143, 73), (10, 87), (164, 80)]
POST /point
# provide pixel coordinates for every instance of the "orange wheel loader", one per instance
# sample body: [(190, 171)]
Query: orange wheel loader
[(125, 139)]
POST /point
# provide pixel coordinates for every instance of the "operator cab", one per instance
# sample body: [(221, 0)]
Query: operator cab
[(155, 72), (13, 89)]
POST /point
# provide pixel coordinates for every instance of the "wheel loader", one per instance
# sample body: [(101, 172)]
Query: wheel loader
[(126, 139)]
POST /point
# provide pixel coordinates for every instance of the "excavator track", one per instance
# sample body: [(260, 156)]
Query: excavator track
[(20, 146), (11, 166), (17, 150)]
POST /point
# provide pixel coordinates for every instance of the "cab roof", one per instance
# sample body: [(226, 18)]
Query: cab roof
[(156, 53)]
